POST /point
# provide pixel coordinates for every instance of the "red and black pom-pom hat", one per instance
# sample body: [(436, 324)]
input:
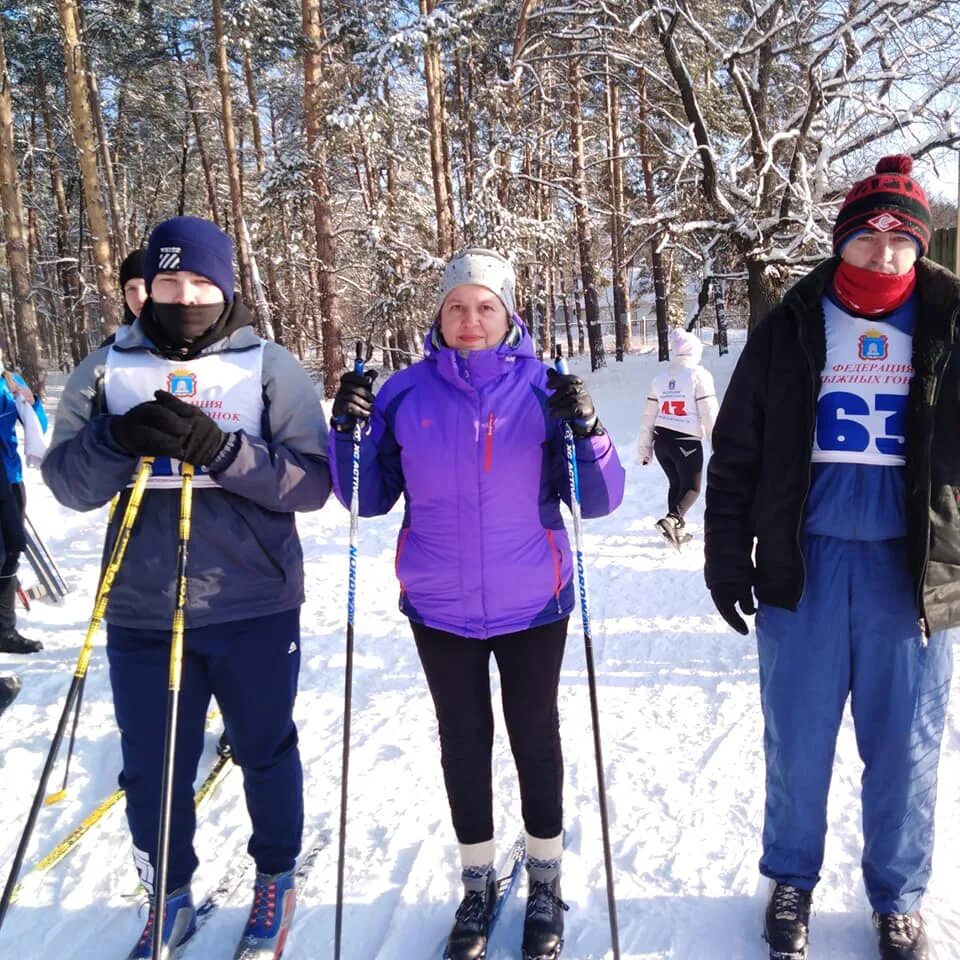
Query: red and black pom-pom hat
[(887, 200)]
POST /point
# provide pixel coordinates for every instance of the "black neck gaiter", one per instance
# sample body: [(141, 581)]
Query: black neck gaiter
[(180, 331)]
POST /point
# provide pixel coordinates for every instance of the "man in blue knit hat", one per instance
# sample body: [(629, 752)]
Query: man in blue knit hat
[(192, 383)]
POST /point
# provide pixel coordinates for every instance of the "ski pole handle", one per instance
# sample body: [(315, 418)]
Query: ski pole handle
[(559, 363), (358, 361)]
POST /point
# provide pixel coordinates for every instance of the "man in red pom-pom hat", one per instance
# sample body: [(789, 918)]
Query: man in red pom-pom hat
[(832, 500)]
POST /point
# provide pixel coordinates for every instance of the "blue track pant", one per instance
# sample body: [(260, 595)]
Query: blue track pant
[(855, 633), (251, 667)]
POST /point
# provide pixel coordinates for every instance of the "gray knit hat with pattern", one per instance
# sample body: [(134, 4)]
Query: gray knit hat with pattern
[(485, 268)]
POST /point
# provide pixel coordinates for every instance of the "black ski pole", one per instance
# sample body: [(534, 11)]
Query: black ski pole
[(173, 707), (79, 673), (574, 474), (348, 668)]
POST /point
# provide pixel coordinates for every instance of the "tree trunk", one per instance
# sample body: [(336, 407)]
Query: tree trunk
[(87, 155), (588, 270), (439, 160), (621, 304), (24, 314), (103, 147), (230, 147), (208, 177), (254, 114), (322, 215), (763, 290), (657, 265)]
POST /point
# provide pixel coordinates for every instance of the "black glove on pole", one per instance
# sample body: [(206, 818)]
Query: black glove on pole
[(354, 400), (149, 430), (203, 439), (726, 596), (571, 401)]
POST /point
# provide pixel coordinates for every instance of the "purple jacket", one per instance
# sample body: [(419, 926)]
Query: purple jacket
[(467, 440)]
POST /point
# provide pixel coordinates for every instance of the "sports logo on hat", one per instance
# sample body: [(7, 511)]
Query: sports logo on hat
[(885, 222), (169, 259), (182, 383)]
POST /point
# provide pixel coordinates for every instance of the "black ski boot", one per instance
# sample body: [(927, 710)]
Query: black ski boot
[(9, 688), (13, 642), (786, 922), (468, 937), (543, 923), (901, 936)]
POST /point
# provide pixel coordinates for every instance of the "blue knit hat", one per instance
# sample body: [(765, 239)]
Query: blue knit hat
[(189, 243)]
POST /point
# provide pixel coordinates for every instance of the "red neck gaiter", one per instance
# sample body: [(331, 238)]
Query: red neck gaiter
[(870, 294)]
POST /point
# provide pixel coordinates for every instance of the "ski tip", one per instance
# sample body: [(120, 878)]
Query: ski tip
[(53, 798)]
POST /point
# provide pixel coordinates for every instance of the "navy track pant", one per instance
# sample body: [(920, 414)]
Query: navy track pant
[(458, 674), (251, 667), (855, 634)]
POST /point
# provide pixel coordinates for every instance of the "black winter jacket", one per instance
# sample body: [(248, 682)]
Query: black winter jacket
[(759, 475)]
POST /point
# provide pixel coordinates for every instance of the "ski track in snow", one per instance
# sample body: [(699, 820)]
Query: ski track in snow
[(682, 751)]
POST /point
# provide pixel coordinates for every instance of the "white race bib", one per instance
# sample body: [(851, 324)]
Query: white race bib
[(861, 411), (226, 386)]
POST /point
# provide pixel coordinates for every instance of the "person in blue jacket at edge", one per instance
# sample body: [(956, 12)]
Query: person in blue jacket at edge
[(836, 456), (190, 381), (13, 501)]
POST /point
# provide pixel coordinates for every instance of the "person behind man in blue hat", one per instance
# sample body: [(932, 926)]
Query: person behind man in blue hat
[(192, 383)]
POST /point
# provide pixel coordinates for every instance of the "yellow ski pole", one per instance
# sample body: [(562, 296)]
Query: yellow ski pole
[(173, 706), (100, 603), (83, 661)]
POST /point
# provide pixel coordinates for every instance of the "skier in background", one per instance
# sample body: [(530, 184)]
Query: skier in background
[(472, 438), (260, 455), (680, 411), (835, 459), (17, 402)]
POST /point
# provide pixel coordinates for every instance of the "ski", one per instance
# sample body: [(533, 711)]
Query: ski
[(242, 869), (506, 881), (509, 876), (33, 876), (46, 570)]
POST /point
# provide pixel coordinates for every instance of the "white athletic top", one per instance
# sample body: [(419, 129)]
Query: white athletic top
[(682, 397)]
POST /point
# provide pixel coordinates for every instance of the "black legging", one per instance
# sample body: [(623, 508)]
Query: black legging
[(458, 674), (681, 457), (12, 543)]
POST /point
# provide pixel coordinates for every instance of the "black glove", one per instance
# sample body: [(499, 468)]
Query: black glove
[(149, 430), (571, 401), (353, 401), (726, 596), (202, 438)]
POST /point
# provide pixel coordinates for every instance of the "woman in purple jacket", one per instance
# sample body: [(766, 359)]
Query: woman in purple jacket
[(472, 437)]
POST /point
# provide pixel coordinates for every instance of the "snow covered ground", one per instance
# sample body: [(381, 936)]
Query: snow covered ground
[(681, 728)]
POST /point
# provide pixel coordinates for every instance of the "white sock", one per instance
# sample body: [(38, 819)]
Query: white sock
[(476, 863), (543, 858)]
